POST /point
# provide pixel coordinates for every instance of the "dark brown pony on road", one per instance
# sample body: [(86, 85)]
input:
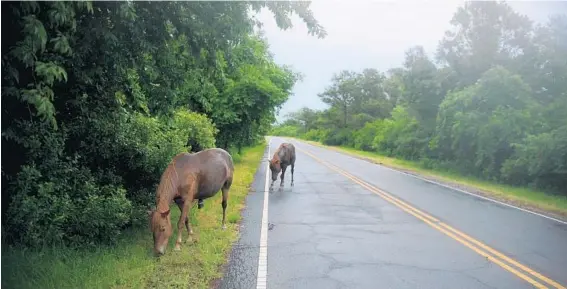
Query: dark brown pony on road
[(283, 157), (187, 178)]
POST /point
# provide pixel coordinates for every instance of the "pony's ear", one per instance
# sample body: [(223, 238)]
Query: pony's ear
[(164, 214), (149, 213)]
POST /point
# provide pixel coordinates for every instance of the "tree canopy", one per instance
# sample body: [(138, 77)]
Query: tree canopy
[(492, 104), (99, 96)]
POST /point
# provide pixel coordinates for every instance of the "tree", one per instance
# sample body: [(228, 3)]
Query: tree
[(494, 106), (484, 34), (99, 96), (371, 99), (304, 117), (422, 92), (478, 124), (341, 93), (544, 65)]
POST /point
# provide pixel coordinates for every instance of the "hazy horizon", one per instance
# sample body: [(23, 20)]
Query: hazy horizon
[(366, 34)]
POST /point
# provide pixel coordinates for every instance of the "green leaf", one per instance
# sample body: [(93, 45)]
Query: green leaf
[(35, 33), (50, 72)]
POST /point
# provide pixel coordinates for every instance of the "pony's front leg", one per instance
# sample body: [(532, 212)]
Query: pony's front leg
[(272, 181), (180, 204), (282, 177), (180, 224)]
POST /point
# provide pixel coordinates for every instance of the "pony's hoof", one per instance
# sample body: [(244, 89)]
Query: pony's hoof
[(223, 227), (177, 247)]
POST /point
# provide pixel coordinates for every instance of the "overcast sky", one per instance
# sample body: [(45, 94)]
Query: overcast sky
[(366, 34)]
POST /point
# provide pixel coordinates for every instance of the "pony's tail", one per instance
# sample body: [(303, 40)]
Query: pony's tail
[(166, 188)]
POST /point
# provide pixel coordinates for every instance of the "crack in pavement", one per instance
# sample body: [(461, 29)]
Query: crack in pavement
[(327, 232)]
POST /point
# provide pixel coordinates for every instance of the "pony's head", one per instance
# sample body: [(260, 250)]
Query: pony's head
[(275, 167), (160, 224)]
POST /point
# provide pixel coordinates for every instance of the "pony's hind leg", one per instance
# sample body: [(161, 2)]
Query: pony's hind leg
[(292, 168), (225, 190)]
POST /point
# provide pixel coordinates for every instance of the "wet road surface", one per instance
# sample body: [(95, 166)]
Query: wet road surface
[(372, 227)]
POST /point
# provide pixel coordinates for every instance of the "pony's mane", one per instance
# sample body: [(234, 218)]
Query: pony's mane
[(166, 188)]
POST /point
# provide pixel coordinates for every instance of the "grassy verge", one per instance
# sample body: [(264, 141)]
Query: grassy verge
[(129, 264), (524, 197)]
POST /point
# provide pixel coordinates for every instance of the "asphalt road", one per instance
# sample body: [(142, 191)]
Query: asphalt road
[(348, 223)]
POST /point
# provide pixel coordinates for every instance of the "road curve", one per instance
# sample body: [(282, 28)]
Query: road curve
[(348, 223)]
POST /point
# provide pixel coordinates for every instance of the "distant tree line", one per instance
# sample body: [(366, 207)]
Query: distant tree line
[(492, 104), (97, 97)]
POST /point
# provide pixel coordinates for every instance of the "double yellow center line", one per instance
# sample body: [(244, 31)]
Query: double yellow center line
[(513, 266)]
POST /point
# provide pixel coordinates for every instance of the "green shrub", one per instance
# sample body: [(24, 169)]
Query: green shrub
[(316, 135), (197, 127), (60, 199), (364, 137), (539, 160), (338, 137), (398, 136), (57, 199), (285, 130)]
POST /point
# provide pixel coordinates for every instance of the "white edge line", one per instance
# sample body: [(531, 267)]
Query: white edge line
[(261, 281), (459, 190)]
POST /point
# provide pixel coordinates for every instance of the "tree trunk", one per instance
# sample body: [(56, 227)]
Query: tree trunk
[(345, 113)]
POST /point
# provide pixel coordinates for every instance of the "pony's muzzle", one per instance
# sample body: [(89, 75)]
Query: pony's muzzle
[(160, 251)]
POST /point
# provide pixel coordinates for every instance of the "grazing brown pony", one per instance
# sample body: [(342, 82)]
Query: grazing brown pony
[(187, 178), (283, 157)]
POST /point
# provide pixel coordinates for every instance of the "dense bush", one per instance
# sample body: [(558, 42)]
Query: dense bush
[(316, 135), (495, 106), (97, 97), (56, 198), (338, 137), (539, 159), (399, 135), (364, 137)]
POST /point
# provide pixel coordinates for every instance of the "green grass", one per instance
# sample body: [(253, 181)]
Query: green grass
[(524, 197), (130, 264)]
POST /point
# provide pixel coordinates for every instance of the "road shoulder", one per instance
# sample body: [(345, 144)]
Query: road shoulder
[(241, 269)]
